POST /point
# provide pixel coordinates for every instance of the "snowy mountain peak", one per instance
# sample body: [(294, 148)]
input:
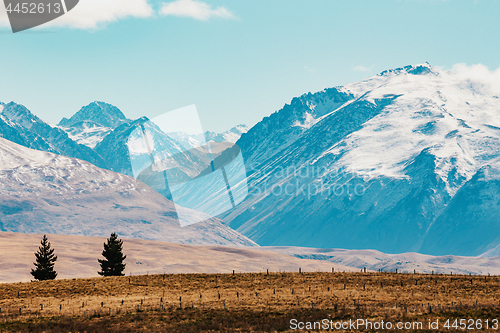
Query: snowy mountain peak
[(407, 160), (100, 113), (454, 117), (420, 69), (228, 136), (92, 123), (19, 114), (239, 129), (189, 141)]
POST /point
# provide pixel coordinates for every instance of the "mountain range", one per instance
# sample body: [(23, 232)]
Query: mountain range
[(191, 141), (19, 125), (404, 161), (43, 192), (98, 133), (407, 160), (74, 178)]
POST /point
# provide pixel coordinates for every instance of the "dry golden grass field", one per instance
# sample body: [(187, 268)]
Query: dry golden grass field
[(249, 302)]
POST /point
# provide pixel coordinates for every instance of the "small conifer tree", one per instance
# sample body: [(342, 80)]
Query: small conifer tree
[(113, 264), (45, 260)]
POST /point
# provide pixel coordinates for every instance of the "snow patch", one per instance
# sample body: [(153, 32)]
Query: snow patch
[(429, 109), (307, 123)]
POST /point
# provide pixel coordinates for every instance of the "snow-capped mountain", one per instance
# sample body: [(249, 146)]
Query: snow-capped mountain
[(19, 125), (404, 161), (124, 150), (113, 148), (100, 113), (407, 160), (101, 134), (187, 141), (92, 123), (87, 133), (232, 135), (192, 141), (43, 192)]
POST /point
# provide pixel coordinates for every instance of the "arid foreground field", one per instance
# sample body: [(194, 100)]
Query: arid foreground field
[(248, 302)]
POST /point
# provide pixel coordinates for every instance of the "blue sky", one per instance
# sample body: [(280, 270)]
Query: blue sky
[(238, 61)]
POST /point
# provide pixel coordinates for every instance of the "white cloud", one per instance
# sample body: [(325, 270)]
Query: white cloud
[(90, 14), (480, 77), (361, 69), (194, 9)]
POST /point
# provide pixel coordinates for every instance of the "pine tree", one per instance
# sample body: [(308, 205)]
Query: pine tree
[(45, 260), (113, 264)]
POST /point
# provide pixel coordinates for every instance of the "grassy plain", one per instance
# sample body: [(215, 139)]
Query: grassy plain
[(249, 302)]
